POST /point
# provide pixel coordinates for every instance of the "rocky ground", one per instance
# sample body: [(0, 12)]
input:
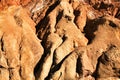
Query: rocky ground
[(59, 39)]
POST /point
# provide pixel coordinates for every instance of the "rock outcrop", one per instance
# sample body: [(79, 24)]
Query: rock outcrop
[(20, 49), (59, 39)]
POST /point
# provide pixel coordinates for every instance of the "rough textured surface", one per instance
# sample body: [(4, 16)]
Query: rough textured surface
[(59, 39), (20, 49)]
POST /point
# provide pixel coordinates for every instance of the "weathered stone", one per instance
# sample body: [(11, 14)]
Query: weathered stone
[(108, 63), (80, 38), (20, 48)]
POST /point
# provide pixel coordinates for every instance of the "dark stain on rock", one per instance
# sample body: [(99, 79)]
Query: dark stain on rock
[(18, 20)]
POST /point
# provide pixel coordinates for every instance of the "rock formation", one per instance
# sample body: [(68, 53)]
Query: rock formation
[(59, 39), (20, 49)]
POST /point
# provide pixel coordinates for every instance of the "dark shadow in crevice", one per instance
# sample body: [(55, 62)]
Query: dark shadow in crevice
[(91, 27), (68, 18), (51, 8), (76, 13), (20, 71), (118, 14), (105, 6), (103, 59), (79, 67), (59, 16), (2, 67), (39, 66), (95, 74), (64, 38), (41, 28), (71, 1), (113, 25), (56, 67), (102, 5), (2, 44)]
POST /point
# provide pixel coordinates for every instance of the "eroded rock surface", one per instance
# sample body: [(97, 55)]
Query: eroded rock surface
[(20, 48), (59, 39)]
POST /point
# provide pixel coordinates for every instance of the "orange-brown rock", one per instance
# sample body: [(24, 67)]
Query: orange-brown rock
[(20, 49), (59, 40), (108, 63)]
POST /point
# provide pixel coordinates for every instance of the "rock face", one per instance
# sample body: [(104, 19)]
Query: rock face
[(59, 39), (20, 49), (108, 64)]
